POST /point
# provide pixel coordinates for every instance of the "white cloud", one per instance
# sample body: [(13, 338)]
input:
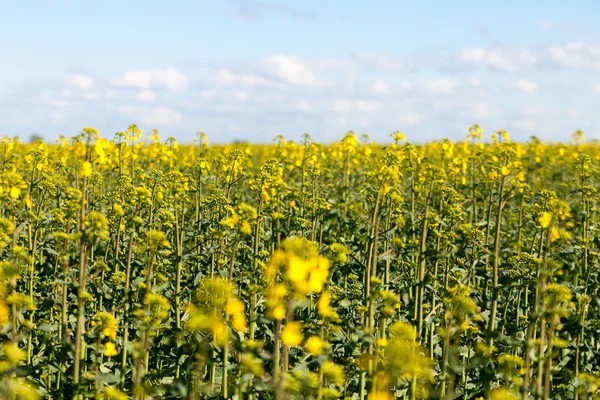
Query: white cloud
[(292, 70), (561, 55), (480, 111), (304, 106), (501, 62), (472, 55), (156, 116), (226, 77), (241, 95), (441, 85), (57, 117), (528, 57), (577, 55), (209, 93), (72, 92), (360, 106), (80, 81), (533, 111), (379, 87), (59, 103), (146, 96), (127, 110), (368, 107), (376, 61), (526, 124), (508, 60), (342, 106), (159, 78), (290, 94), (409, 118), (495, 58), (162, 116), (66, 93), (526, 86)]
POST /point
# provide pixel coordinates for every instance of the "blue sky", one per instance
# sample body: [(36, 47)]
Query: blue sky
[(251, 70)]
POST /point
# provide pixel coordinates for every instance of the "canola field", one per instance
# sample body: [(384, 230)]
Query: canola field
[(140, 268)]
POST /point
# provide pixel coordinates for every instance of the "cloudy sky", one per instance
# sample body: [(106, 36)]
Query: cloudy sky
[(251, 70)]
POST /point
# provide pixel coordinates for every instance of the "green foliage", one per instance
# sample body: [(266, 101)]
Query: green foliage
[(131, 268)]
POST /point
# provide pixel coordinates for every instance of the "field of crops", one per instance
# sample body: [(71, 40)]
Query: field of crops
[(140, 268)]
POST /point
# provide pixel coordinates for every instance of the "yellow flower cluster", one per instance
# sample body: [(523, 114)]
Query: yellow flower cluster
[(304, 269), (216, 306)]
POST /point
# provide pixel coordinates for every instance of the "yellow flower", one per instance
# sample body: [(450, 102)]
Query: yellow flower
[(13, 353), (492, 175), (554, 234), (318, 274), (298, 270), (230, 222), (110, 350), (15, 192), (86, 169), (250, 363), (381, 395), (275, 301), (219, 331), (114, 394), (465, 325), (385, 188), (501, 393), (118, 209), (235, 308), (323, 307), (521, 176), (4, 313), (245, 228), (314, 345), (278, 312), (382, 342), (545, 219), (23, 390), (333, 372), (108, 324), (505, 171), (292, 334), (381, 387), (111, 330), (340, 253), (399, 136)]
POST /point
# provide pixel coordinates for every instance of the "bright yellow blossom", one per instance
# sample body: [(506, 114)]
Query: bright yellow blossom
[(292, 334), (545, 219)]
